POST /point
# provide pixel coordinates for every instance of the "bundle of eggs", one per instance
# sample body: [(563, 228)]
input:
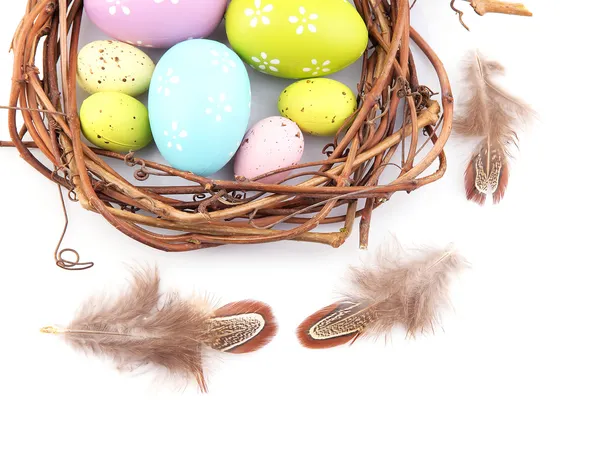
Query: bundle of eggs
[(199, 92)]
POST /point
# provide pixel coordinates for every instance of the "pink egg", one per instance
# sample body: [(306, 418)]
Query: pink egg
[(271, 144), (156, 23)]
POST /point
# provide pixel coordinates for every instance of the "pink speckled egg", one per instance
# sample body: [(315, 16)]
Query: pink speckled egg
[(273, 143), (156, 23)]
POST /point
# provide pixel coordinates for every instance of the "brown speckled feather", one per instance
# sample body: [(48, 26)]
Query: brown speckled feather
[(397, 289), (492, 114), (142, 328)]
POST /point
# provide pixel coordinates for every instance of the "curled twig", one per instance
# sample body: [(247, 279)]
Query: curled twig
[(460, 14), (143, 173), (59, 254)]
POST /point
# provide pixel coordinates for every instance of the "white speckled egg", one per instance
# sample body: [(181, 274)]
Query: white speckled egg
[(112, 66), (272, 143)]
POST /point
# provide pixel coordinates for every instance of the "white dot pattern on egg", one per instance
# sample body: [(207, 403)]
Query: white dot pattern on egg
[(222, 60), (264, 63), (305, 20), (218, 107), (176, 136), (167, 82), (116, 6), (317, 68), (271, 144), (259, 14), (199, 105)]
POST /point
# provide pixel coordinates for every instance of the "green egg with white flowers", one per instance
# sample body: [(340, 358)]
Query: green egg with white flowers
[(115, 122)]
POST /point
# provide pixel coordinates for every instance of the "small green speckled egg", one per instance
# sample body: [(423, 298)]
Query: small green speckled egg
[(319, 106), (115, 121), (112, 66)]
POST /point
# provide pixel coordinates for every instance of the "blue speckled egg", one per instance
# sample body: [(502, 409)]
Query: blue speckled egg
[(199, 104)]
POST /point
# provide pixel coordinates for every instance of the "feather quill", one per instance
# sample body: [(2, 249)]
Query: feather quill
[(494, 116), (141, 328), (396, 288)]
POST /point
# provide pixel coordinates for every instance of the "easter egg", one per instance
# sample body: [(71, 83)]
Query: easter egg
[(273, 143), (115, 121), (296, 38), (319, 106), (199, 103), (156, 23), (112, 66)]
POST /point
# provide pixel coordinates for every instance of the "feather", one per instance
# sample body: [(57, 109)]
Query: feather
[(242, 327), (493, 115), (396, 288), (142, 328)]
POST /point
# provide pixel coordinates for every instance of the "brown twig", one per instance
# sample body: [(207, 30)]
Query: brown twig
[(61, 261), (483, 7), (460, 14)]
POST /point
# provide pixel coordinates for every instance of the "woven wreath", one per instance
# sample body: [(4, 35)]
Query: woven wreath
[(208, 212)]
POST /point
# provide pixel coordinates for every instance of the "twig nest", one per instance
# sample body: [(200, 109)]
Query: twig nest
[(188, 210)]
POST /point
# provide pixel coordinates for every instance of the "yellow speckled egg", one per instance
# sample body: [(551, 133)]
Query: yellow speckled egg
[(319, 106), (112, 66), (115, 121)]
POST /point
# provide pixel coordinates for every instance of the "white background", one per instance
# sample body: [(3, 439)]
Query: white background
[(514, 371)]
